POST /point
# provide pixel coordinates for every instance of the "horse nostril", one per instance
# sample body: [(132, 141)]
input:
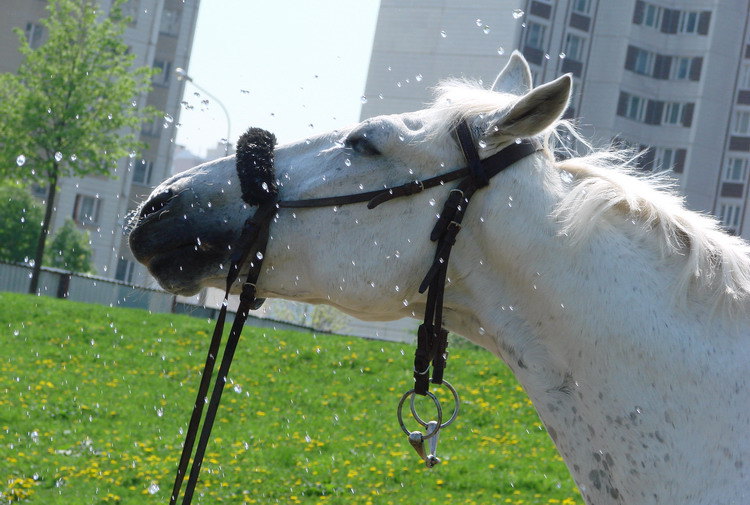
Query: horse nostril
[(156, 203)]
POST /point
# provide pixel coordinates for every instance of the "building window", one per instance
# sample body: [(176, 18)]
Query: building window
[(170, 22), (680, 68), (729, 215), (741, 122), (745, 76), (634, 107), (162, 78), (34, 34), (735, 170), (674, 113), (535, 35), (652, 16), (665, 159), (124, 271), (86, 209), (574, 47), (688, 22), (582, 6), (142, 172), (644, 62)]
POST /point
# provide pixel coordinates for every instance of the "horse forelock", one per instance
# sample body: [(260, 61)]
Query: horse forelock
[(605, 183)]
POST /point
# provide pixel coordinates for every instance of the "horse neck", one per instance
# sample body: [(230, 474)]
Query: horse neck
[(637, 391)]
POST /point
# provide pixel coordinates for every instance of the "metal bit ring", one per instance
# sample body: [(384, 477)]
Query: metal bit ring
[(419, 419), (456, 403)]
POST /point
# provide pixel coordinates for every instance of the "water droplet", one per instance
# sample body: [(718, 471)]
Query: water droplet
[(160, 413), (237, 388), (264, 186), (418, 77), (153, 488), (518, 141), (397, 288), (399, 84), (348, 162), (20, 160), (562, 305), (335, 208), (486, 29), (482, 144), (482, 331), (500, 51), (432, 202), (405, 302), (479, 22), (361, 186), (168, 118), (546, 56), (443, 34), (131, 155), (363, 99), (401, 137), (58, 156), (73, 157), (259, 255), (562, 56), (380, 96), (517, 13)]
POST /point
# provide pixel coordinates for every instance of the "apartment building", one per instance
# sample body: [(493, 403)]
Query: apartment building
[(161, 36), (669, 76)]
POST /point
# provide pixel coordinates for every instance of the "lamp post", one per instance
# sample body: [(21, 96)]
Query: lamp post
[(182, 75)]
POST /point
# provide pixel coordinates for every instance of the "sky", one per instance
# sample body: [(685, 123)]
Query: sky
[(293, 67)]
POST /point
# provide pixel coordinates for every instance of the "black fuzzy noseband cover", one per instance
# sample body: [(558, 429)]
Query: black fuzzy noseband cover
[(255, 166)]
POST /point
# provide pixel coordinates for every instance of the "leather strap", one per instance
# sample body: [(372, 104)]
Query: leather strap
[(253, 239)]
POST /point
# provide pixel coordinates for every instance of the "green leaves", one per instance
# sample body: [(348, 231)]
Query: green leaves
[(73, 95), (70, 250), (20, 220)]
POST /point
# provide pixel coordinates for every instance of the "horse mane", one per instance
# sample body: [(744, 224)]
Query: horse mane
[(606, 185)]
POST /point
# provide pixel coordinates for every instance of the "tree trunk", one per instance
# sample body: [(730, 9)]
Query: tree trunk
[(50, 205)]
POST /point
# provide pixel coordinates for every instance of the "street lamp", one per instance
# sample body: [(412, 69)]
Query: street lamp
[(182, 75)]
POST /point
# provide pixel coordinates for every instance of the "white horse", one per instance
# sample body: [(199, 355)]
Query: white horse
[(623, 315)]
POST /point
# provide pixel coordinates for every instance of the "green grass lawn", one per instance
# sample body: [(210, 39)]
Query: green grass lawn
[(94, 402)]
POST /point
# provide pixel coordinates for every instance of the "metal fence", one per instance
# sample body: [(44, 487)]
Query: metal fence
[(277, 314)]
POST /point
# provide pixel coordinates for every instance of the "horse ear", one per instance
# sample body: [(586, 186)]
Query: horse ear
[(515, 78), (533, 112)]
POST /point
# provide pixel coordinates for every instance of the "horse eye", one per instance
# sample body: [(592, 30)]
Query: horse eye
[(362, 145)]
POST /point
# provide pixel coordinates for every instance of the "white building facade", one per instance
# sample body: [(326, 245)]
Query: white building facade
[(672, 77)]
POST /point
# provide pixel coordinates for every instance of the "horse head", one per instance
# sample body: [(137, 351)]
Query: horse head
[(367, 262)]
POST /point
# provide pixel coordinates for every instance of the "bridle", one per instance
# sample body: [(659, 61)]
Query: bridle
[(257, 146)]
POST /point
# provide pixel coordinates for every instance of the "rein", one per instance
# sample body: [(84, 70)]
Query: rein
[(432, 338)]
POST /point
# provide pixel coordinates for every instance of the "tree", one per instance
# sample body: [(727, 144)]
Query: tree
[(20, 222), (71, 109), (70, 249)]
